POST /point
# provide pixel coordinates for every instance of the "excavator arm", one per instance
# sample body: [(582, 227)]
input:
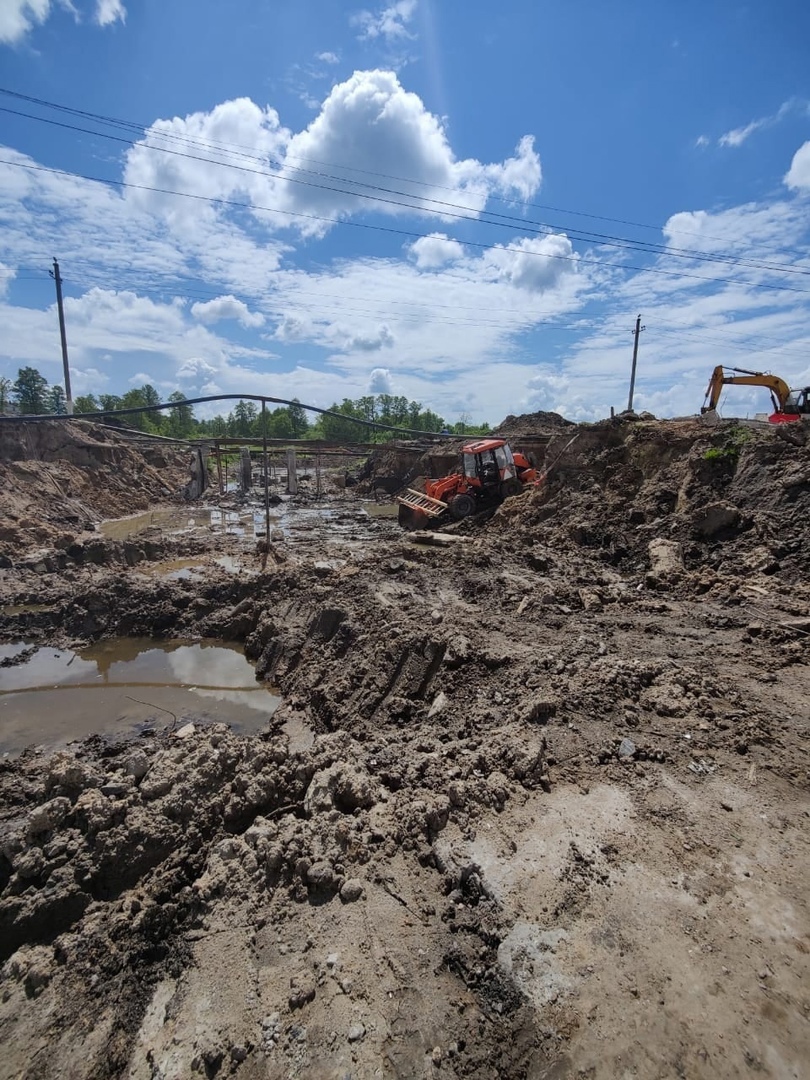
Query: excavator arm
[(780, 391)]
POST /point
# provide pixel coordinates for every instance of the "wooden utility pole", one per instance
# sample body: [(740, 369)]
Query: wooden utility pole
[(68, 396), (636, 333)]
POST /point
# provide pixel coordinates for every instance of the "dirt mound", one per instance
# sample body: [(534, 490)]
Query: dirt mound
[(530, 792), (58, 479)]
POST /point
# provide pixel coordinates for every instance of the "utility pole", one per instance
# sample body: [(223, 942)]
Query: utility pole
[(68, 396), (635, 333)]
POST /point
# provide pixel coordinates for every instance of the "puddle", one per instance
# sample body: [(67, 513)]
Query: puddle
[(382, 510), (170, 519), (122, 686), (26, 609)]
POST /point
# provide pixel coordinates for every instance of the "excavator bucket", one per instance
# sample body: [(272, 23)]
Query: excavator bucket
[(416, 509)]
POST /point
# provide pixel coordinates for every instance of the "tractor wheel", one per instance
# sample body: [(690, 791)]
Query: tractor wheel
[(512, 486), (461, 506)]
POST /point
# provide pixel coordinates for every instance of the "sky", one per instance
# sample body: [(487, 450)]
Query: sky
[(467, 204)]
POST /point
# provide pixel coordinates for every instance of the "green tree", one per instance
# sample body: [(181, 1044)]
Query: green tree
[(181, 421), (242, 421), (298, 419), (30, 390), (6, 386), (55, 401), (85, 403)]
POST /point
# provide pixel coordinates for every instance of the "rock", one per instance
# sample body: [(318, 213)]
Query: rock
[(666, 558), (351, 889), (321, 876), (627, 748), (715, 518), (301, 997), (440, 704), (48, 816), (540, 711), (356, 1033), (436, 1055), (239, 1052), (185, 732), (137, 764)]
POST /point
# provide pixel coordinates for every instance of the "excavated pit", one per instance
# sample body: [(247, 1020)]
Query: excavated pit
[(534, 803)]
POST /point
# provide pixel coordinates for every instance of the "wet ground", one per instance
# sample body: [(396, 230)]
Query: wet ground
[(124, 687), (533, 804)]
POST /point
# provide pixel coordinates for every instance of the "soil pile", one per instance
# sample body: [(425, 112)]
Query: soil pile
[(534, 805), (60, 478)]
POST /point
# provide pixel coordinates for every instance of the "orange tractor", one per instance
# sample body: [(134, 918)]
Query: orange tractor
[(490, 472)]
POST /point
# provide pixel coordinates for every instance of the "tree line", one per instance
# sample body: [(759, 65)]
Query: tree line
[(31, 395)]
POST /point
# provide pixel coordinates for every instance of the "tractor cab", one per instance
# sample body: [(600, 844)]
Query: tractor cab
[(488, 462)]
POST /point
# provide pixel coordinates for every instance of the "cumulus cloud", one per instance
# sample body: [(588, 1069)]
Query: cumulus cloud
[(379, 381), (431, 252), (798, 175), (17, 17), (389, 22), (534, 264), (227, 307), (328, 57), (383, 339), (370, 123), (367, 124), (110, 11), (196, 368)]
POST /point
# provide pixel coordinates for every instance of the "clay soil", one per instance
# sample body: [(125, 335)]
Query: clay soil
[(535, 804)]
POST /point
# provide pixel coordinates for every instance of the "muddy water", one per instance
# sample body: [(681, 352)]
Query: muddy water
[(121, 687)]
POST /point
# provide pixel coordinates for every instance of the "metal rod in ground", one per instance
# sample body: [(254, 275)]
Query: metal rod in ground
[(266, 482), (219, 469), (318, 474)]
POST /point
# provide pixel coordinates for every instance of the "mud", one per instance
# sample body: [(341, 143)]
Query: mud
[(534, 805)]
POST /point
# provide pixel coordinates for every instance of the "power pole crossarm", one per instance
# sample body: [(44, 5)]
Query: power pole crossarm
[(56, 277), (636, 334)]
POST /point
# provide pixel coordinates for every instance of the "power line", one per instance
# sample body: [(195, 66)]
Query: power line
[(146, 130), (397, 232), (437, 206)]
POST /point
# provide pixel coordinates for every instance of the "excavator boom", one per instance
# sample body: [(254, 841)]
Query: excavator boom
[(785, 406)]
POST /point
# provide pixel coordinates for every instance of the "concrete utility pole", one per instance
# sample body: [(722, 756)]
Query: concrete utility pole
[(68, 396), (635, 333)]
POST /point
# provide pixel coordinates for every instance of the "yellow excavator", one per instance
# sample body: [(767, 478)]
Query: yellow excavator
[(789, 405)]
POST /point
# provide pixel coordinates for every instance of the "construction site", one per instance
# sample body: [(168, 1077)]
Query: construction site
[(516, 790)]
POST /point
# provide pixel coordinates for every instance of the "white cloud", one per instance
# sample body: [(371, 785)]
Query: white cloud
[(226, 307), (17, 17), (141, 378), (379, 381), (798, 175), (371, 124), (328, 57), (431, 252), (382, 339), (389, 22), (737, 136), (110, 11), (702, 141), (195, 368), (368, 124), (535, 264)]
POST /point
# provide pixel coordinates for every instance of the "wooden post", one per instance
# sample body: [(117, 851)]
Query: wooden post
[(318, 473)]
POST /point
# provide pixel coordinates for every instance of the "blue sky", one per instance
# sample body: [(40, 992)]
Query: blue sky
[(464, 203)]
